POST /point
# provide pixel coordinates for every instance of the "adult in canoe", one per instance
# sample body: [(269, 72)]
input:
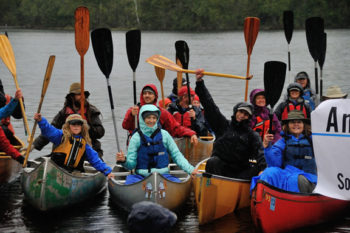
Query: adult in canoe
[(334, 92), (72, 144), (191, 118), (309, 94), (150, 147), (237, 150), (260, 122), (149, 95), (294, 100), (291, 161), (72, 106), (5, 123), (5, 145)]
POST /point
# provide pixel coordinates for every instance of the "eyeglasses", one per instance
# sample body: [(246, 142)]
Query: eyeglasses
[(76, 122)]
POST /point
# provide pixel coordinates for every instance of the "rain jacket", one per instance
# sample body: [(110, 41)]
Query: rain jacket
[(263, 113), (237, 147), (8, 109), (168, 142), (55, 135), (167, 120), (5, 146)]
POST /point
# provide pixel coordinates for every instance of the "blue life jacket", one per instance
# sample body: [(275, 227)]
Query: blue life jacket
[(152, 153), (308, 99), (299, 154)]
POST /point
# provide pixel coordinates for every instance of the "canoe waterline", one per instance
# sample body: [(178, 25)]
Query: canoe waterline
[(195, 154), (47, 186), (154, 188), (217, 196), (276, 210), (9, 168)]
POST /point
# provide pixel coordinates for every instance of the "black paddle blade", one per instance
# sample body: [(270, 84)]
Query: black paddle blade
[(314, 32), (274, 76), (182, 53), (288, 24), (103, 48), (323, 50), (133, 47)]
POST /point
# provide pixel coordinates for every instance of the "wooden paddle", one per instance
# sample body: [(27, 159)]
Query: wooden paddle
[(321, 60), (102, 45), (82, 23), (288, 25), (178, 76), (274, 76), (160, 75), (8, 57), (251, 29), (165, 63), (314, 33), (133, 48), (46, 82)]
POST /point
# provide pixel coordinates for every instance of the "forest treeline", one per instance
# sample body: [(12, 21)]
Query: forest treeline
[(185, 15)]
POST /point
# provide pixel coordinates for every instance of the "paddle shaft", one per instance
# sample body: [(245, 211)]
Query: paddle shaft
[(134, 91), (321, 82), (162, 91), (288, 63), (316, 77), (247, 80), (215, 74), (82, 94), (113, 115)]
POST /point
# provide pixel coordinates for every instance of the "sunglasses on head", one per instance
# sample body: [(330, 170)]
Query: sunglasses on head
[(76, 122)]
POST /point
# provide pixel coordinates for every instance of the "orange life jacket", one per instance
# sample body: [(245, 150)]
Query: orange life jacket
[(73, 149), (261, 126)]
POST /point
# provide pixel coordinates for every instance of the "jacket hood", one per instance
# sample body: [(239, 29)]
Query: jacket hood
[(235, 109), (303, 74), (143, 127), (295, 85), (154, 88), (254, 93)]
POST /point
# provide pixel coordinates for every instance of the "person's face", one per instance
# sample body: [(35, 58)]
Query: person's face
[(296, 127), (196, 103), (75, 128), (294, 94), (77, 97), (302, 82), (260, 100), (242, 115), (150, 120), (184, 101), (148, 97)]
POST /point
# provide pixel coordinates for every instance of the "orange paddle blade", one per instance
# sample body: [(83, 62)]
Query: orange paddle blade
[(251, 30), (7, 55), (82, 24)]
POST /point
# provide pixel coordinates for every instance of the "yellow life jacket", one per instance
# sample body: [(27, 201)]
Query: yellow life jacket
[(73, 149)]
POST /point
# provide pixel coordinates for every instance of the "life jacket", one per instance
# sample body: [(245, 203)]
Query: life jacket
[(70, 111), (299, 154), (261, 126), (152, 153), (70, 153), (290, 106), (308, 99), (184, 119), (6, 121)]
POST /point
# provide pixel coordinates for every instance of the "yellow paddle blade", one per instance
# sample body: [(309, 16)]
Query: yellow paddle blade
[(82, 24), (47, 76), (7, 55), (160, 72), (163, 62)]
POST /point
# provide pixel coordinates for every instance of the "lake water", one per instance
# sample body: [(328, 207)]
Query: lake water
[(223, 52)]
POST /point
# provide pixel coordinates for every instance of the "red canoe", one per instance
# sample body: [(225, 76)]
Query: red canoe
[(276, 210)]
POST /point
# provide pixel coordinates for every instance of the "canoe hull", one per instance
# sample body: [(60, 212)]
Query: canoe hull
[(275, 210), (48, 186), (217, 196), (195, 154), (154, 188)]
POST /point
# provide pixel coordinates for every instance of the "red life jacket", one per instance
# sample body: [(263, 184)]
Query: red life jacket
[(291, 107), (261, 126), (183, 119), (6, 121), (70, 111)]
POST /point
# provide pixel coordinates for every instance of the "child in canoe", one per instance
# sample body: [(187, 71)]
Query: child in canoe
[(72, 144), (150, 147)]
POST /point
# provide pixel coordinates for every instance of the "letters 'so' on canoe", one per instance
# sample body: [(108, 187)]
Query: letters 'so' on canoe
[(217, 196), (47, 186), (9, 168), (154, 188), (195, 154), (277, 210)]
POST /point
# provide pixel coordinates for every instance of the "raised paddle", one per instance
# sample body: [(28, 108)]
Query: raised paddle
[(46, 82), (321, 60), (133, 48), (82, 24), (288, 25), (160, 75), (251, 30), (314, 33), (8, 57), (165, 63), (102, 45), (179, 76), (274, 76)]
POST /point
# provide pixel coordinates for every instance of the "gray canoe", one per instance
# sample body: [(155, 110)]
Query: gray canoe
[(154, 188), (47, 186)]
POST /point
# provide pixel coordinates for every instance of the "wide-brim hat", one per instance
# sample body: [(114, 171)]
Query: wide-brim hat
[(296, 115), (334, 92), (75, 89)]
